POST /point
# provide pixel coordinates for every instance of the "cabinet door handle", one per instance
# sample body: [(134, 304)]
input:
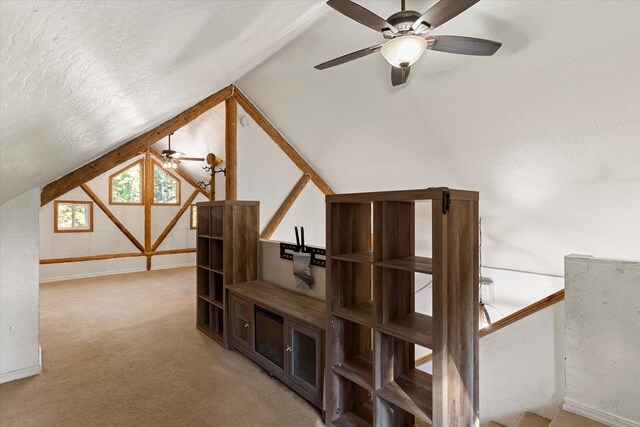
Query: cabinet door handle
[(288, 348), (246, 325)]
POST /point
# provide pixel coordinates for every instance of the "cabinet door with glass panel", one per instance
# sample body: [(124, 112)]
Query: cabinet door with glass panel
[(304, 349), (241, 321)]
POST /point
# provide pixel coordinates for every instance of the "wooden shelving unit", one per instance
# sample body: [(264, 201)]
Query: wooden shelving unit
[(372, 323), (226, 253)]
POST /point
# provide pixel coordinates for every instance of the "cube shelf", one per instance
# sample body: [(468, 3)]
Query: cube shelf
[(361, 313), (358, 368), (411, 392), (227, 253), (371, 268), (357, 411)]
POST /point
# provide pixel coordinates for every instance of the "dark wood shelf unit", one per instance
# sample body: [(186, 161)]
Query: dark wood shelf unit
[(226, 253), (373, 326)]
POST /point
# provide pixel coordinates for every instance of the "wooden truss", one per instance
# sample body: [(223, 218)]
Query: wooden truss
[(231, 96)]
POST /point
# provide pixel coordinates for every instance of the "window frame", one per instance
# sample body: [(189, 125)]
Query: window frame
[(153, 184), (191, 225), (139, 162), (72, 230)]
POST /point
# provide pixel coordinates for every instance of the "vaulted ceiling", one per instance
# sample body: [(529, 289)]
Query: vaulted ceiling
[(547, 129), (80, 78)]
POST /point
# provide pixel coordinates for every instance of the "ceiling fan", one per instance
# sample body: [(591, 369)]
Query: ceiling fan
[(407, 35), (172, 157)]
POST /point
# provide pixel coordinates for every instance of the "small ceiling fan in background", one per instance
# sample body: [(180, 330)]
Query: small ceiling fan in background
[(407, 35), (171, 158)]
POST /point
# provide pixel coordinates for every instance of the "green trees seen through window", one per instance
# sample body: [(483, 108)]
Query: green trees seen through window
[(73, 216), (165, 187), (126, 187)]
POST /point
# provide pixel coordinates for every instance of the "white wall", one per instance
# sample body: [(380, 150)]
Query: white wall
[(280, 271), (106, 238), (522, 367), (603, 339), (546, 130), (19, 345)]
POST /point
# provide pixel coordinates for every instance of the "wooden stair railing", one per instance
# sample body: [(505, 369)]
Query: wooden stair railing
[(507, 320)]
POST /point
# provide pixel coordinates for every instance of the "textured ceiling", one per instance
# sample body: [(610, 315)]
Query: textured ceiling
[(79, 78), (548, 129)]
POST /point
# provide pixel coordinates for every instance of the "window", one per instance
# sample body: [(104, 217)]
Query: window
[(72, 216), (193, 224), (125, 186), (166, 187)]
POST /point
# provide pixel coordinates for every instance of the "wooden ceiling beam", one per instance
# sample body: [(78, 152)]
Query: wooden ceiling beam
[(129, 149), (280, 140), (284, 207)]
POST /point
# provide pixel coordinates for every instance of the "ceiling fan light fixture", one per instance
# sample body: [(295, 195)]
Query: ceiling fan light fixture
[(404, 51)]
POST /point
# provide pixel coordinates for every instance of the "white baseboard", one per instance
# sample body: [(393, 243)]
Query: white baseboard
[(112, 272), (97, 274), (598, 415), (29, 371)]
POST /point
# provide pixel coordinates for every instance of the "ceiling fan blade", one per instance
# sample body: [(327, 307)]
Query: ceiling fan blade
[(348, 57), (442, 12), (463, 45), (399, 76), (362, 15), (177, 154), (192, 159)]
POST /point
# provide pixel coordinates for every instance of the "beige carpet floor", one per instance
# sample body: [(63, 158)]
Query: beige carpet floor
[(123, 350)]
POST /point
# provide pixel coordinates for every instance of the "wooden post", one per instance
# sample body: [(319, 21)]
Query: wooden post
[(455, 313), (231, 153), (148, 200)]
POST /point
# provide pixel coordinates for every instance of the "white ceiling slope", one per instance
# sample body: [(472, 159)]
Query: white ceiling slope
[(548, 129), (79, 78)]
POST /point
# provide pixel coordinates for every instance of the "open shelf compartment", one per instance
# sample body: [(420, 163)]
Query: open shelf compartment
[(204, 220), (355, 361), (412, 392), (202, 282), (216, 288), (352, 287), (217, 221), (216, 254), (202, 250), (413, 327), (357, 411), (399, 382)]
